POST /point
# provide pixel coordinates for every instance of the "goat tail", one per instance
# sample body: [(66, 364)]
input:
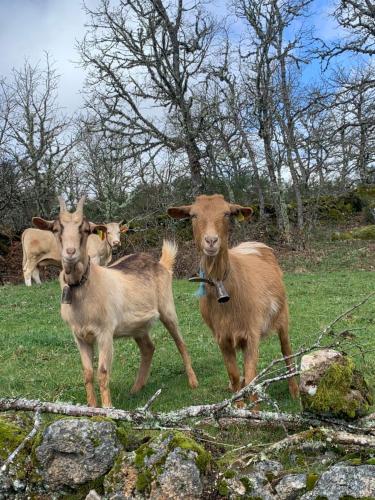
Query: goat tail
[(168, 255)]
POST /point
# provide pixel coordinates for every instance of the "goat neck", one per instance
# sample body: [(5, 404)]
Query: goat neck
[(217, 267)]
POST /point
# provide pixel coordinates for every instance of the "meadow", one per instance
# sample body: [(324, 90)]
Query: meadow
[(39, 359)]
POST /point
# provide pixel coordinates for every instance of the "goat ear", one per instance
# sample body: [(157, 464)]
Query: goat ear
[(241, 213), (179, 212), (124, 229), (96, 228), (40, 223)]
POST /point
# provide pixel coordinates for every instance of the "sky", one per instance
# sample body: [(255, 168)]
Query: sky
[(29, 28)]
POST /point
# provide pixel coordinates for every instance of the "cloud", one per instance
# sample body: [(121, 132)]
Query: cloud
[(29, 28)]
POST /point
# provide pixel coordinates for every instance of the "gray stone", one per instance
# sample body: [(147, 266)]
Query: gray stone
[(258, 486), (180, 477), (345, 480), (291, 486), (75, 451), (268, 466), (92, 495)]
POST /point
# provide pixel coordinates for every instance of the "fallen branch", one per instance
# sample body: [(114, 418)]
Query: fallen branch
[(170, 419)]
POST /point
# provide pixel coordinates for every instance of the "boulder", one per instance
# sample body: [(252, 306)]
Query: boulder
[(330, 385), (344, 481), (76, 451), (180, 477), (169, 466), (291, 486)]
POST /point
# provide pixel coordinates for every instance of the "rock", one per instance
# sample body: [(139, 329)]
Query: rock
[(257, 486), (343, 481), (92, 495), (75, 451), (168, 466), (330, 385), (180, 477), (267, 467), (291, 486), (121, 482)]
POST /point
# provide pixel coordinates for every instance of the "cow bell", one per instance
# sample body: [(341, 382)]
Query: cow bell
[(222, 294)]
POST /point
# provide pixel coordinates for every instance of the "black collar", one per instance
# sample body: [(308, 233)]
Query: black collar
[(66, 295)]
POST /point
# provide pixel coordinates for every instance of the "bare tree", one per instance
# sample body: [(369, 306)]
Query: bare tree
[(357, 18), (146, 59), (37, 132)]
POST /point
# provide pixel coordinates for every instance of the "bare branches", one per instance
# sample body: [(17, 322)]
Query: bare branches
[(145, 58)]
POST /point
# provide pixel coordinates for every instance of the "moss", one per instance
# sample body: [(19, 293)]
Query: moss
[(345, 235), (222, 488), (228, 474), (184, 442), (311, 480), (370, 461), (111, 476), (11, 435), (141, 453), (144, 481), (364, 233), (356, 461), (332, 393), (247, 483), (359, 233)]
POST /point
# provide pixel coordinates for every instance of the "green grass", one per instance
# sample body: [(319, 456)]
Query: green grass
[(39, 359)]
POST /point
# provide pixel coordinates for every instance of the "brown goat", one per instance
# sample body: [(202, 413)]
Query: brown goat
[(123, 300), (252, 278)]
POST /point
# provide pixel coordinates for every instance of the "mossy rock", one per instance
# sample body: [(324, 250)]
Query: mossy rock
[(150, 457), (345, 235), (341, 392), (359, 233)]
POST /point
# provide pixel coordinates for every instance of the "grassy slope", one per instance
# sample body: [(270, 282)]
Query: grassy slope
[(38, 357)]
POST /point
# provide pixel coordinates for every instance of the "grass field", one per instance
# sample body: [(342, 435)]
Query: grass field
[(38, 357)]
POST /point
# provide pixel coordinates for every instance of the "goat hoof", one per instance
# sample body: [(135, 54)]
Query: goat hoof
[(193, 382), (135, 389)]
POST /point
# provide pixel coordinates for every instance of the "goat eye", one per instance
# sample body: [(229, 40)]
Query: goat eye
[(227, 214)]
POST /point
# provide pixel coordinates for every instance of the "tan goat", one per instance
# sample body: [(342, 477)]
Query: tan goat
[(103, 303), (252, 278), (40, 249)]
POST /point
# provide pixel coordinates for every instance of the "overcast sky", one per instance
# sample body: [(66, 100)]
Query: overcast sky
[(28, 28)]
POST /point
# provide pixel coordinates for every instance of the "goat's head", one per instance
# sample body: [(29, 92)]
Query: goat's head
[(114, 234), (210, 217), (71, 231)]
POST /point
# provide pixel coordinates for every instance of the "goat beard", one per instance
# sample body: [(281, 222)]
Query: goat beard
[(72, 271)]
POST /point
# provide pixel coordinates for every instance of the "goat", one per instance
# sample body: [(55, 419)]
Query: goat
[(104, 303), (40, 249), (252, 278)]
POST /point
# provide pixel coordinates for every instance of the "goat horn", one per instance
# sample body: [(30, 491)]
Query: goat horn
[(62, 204), (80, 204)]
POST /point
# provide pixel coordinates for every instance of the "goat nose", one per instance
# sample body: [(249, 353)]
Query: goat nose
[(70, 251), (211, 240)]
